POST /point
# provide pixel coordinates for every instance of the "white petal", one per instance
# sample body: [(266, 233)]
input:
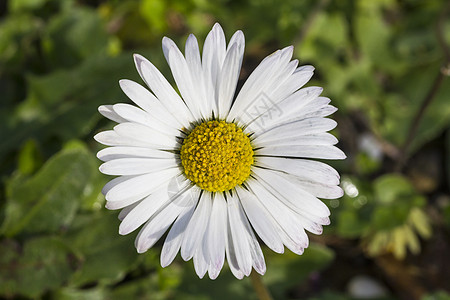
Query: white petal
[(321, 112), (196, 227), (258, 261), (310, 225), (316, 108), (261, 94), (161, 221), (111, 153), (312, 106), (228, 79), (200, 263), (163, 90), (214, 51), (239, 236), (142, 212), (283, 76), (148, 102), (231, 255), (192, 53), (306, 170), (213, 55), (111, 138), (112, 183), (219, 43), (259, 264), (260, 219), (138, 94), (137, 166), (238, 39), (322, 152), (283, 215), (175, 237), (133, 114), (217, 231), (321, 190), (267, 114), (297, 199), (194, 63), (296, 105), (305, 68), (293, 242), (146, 134), (108, 112), (302, 140), (137, 187), (283, 70), (182, 76), (253, 87), (126, 210), (313, 110), (293, 83)]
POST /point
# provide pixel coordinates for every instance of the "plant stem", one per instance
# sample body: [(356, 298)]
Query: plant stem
[(416, 121), (259, 287), (443, 72)]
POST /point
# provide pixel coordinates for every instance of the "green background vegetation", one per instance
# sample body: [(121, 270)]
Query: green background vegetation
[(377, 60)]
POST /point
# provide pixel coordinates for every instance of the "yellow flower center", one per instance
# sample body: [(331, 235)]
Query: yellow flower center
[(217, 156)]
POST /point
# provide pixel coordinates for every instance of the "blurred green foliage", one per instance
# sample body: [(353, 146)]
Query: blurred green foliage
[(60, 60)]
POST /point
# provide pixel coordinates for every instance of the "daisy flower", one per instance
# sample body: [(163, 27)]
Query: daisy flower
[(216, 171)]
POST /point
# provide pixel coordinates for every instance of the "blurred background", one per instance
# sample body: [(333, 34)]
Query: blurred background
[(381, 62)]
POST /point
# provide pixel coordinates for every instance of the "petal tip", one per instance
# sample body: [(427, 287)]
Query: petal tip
[(123, 82), (164, 263), (141, 250), (137, 57), (96, 137), (217, 26), (123, 231)]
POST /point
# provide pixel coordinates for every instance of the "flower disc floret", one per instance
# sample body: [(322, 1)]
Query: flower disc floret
[(217, 156)]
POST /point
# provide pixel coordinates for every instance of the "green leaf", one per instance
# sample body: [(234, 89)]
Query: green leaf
[(19, 5), (13, 31), (439, 295), (367, 164), (413, 86), (397, 198), (327, 32), (373, 33), (420, 222), (73, 35), (48, 201), (54, 108), (388, 188), (283, 273), (226, 286), (154, 13), (42, 264), (30, 158), (437, 116), (349, 224), (68, 293), (350, 217), (157, 285), (389, 217), (106, 256), (289, 270)]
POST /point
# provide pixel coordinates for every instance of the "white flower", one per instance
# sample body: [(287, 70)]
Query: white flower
[(214, 170)]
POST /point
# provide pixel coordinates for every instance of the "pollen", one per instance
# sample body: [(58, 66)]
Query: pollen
[(217, 156)]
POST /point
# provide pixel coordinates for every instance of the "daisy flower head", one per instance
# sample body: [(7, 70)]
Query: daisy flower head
[(217, 171)]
